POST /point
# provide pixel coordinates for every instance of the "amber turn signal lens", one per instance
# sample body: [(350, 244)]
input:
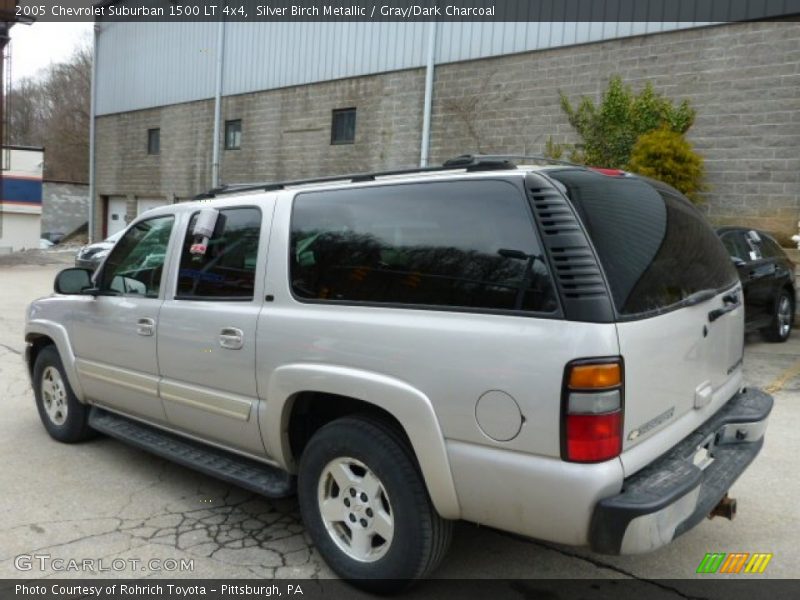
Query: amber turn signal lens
[(596, 376)]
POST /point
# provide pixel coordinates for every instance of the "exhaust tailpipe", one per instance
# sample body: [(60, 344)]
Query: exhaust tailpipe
[(726, 508)]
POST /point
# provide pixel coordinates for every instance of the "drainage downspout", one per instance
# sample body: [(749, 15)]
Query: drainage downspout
[(217, 104), (426, 114), (93, 204)]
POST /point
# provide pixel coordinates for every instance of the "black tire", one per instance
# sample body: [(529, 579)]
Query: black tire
[(777, 332), (421, 537), (75, 425)]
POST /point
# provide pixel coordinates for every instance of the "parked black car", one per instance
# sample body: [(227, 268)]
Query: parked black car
[(768, 280)]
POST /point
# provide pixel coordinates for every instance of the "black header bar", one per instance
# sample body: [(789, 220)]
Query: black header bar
[(685, 11)]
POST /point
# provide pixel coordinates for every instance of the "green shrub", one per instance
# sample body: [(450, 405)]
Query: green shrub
[(666, 155), (610, 129)]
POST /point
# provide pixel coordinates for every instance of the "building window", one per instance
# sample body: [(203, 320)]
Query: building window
[(154, 141), (343, 126), (233, 134)]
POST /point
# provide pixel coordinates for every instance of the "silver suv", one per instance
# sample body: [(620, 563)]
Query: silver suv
[(542, 348)]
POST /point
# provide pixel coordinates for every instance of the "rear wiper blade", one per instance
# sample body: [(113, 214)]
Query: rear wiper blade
[(698, 297)]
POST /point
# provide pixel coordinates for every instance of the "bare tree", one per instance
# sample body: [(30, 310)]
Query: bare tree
[(52, 110), (26, 113)]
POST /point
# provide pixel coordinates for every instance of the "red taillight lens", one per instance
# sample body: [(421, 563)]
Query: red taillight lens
[(609, 172), (593, 410), (594, 438)]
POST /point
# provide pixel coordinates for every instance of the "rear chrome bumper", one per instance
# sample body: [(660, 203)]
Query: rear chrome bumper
[(678, 490)]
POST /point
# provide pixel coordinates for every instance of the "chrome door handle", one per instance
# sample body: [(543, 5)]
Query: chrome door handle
[(231, 338), (145, 326)]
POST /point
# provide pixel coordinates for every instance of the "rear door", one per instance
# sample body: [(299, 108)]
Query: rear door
[(207, 332), (762, 274), (737, 246), (678, 302)]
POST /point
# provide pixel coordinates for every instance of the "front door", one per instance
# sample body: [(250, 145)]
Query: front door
[(114, 333), (207, 328)]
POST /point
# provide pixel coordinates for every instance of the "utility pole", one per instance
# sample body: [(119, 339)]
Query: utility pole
[(7, 19)]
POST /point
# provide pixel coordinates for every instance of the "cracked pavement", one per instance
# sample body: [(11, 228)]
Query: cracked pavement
[(104, 500)]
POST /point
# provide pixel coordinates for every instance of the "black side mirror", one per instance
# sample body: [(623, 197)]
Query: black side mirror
[(73, 281)]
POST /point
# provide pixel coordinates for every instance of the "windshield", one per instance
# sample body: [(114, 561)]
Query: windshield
[(657, 250)]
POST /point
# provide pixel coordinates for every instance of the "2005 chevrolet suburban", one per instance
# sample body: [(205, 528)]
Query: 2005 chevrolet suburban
[(546, 349)]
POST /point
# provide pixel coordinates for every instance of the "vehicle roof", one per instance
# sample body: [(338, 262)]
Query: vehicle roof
[(730, 228), (235, 198)]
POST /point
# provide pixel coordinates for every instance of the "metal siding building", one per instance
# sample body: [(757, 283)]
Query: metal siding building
[(490, 87), (178, 60)]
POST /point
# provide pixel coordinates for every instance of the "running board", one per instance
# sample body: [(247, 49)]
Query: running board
[(245, 472)]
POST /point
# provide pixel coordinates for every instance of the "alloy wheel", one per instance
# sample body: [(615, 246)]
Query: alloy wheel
[(54, 395), (784, 316), (355, 509)]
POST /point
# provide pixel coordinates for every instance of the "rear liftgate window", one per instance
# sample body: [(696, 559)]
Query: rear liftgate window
[(467, 245), (655, 247)]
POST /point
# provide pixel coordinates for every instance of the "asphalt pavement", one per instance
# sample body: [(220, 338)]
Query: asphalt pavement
[(105, 500)]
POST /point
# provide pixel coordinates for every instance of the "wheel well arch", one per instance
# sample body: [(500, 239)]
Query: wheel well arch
[(308, 411), (37, 343), (302, 397)]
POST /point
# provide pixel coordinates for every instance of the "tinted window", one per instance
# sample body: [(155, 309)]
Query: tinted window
[(457, 244), (655, 247), (770, 248), (737, 246), (136, 263), (228, 268)]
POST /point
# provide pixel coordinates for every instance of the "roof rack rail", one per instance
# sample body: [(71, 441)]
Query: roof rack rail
[(467, 162), (507, 159)]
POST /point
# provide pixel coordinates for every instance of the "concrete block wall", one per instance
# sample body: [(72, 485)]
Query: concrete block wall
[(285, 135), (743, 79)]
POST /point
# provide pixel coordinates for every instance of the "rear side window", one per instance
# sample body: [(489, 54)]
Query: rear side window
[(447, 244), (655, 247), (737, 246), (227, 270), (770, 248)]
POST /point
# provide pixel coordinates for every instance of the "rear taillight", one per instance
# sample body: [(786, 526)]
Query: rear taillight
[(592, 410), (609, 172)]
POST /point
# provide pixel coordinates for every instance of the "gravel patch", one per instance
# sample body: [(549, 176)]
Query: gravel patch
[(60, 255)]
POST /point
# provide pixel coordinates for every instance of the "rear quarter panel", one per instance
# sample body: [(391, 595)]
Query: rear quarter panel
[(450, 357)]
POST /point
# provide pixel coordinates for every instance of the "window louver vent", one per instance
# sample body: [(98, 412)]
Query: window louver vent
[(576, 268)]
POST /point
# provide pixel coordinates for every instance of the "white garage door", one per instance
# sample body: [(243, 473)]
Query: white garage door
[(115, 217), (143, 204)]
